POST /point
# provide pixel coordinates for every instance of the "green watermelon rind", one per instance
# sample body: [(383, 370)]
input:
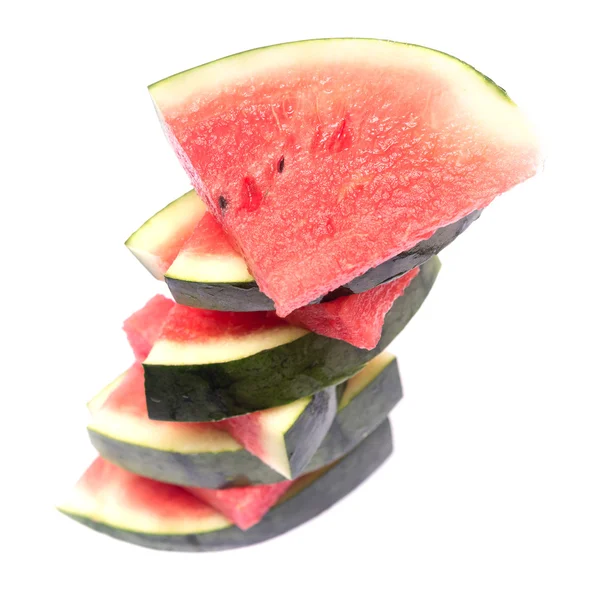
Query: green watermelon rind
[(355, 420), (297, 507)]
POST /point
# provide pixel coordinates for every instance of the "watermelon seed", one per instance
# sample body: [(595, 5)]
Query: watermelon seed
[(280, 165), (222, 203)]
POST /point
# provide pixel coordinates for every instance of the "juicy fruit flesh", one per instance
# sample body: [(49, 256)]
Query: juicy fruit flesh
[(109, 494), (357, 319), (244, 506), (127, 404), (208, 255), (208, 239), (143, 327), (187, 324), (380, 157)]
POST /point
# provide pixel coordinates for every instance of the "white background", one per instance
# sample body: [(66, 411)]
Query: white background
[(495, 479)]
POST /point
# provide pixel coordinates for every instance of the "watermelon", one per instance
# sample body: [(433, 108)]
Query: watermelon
[(325, 158), (244, 506), (284, 438), (143, 327), (209, 273), (358, 318), (157, 243), (153, 514), (210, 365), (209, 456)]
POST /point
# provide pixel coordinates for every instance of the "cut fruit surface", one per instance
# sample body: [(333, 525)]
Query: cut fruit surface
[(244, 506), (208, 456), (284, 438), (325, 158), (144, 326), (145, 512), (358, 318), (203, 368)]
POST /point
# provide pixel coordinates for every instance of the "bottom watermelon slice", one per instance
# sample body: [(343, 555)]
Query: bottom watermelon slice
[(166, 517)]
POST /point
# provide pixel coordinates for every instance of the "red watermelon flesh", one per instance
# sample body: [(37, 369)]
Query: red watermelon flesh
[(244, 506), (127, 400), (151, 499), (143, 327), (155, 503), (325, 158), (190, 324), (357, 319), (208, 237)]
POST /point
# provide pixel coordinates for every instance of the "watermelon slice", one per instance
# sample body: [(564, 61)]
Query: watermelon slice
[(208, 456), (210, 365), (209, 273), (162, 516), (325, 158), (157, 242), (284, 438)]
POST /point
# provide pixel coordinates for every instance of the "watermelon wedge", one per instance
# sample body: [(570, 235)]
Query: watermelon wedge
[(325, 158), (157, 242), (210, 365), (153, 514), (207, 455), (284, 438), (209, 273)]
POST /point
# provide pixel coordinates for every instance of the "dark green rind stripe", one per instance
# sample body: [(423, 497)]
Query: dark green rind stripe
[(219, 296), (308, 432), (360, 417), (202, 393), (311, 501), (351, 425), (405, 261), (247, 296)]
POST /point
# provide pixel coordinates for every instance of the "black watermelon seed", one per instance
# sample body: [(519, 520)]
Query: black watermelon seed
[(280, 165), (222, 203)]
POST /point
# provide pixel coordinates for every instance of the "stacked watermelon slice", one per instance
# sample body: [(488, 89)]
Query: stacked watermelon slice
[(327, 176)]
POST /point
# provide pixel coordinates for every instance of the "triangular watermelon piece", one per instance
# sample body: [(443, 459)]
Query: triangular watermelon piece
[(357, 319), (244, 506), (325, 158)]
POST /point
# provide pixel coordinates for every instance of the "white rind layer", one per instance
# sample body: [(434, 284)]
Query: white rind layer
[(221, 350), (485, 102)]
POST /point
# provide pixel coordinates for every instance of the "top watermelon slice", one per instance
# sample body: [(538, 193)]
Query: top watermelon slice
[(325, 158)]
